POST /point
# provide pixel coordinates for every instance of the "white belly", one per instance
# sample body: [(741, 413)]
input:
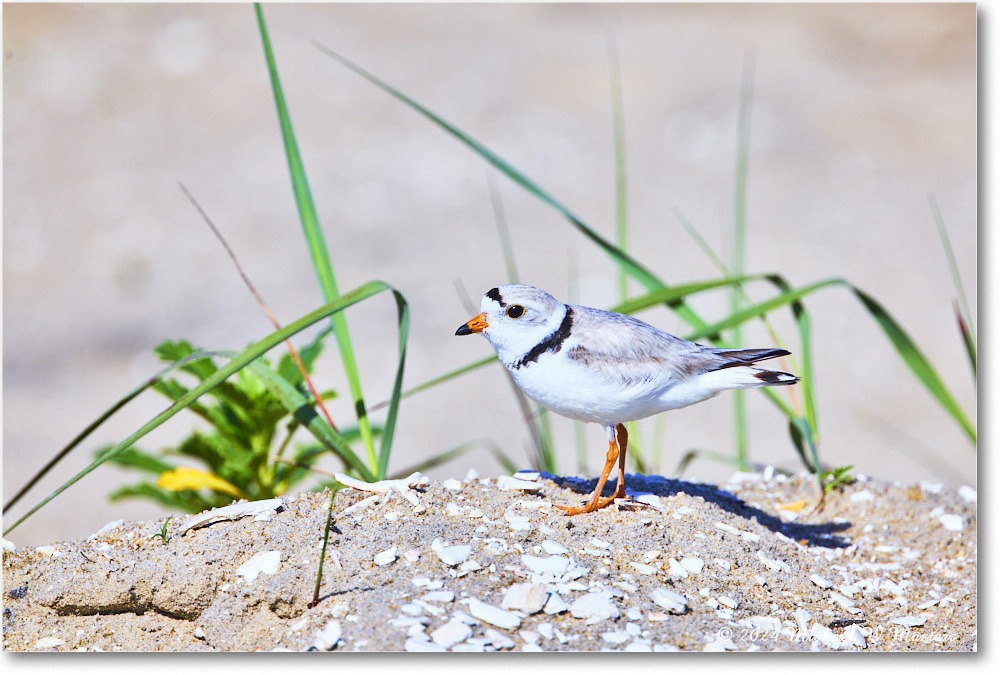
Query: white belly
[(572, 390)]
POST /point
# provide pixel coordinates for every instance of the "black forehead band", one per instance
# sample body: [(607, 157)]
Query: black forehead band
[(494, 294)]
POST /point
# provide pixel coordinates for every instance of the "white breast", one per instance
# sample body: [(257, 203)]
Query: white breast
[(571, 389)]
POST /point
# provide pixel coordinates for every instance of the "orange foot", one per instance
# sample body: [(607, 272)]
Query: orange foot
[(589, 507), (617, 446)]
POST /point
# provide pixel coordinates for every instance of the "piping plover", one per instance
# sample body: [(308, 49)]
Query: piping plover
[(598, 366)]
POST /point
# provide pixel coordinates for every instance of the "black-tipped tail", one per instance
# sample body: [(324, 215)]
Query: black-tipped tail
[(775, 377)]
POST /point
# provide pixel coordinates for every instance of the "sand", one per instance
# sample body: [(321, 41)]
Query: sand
[(747, 565)]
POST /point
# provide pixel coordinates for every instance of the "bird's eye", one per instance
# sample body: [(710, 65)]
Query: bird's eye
[(515, 311)]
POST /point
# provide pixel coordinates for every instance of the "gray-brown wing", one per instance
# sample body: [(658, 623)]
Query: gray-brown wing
[(629, 351)]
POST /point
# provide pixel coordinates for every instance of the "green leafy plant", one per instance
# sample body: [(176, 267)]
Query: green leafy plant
[(836, 478), (291, 399), (241, 454)]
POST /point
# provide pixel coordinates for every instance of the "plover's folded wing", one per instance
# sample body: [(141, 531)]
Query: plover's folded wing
[(629, 351), (744, 357)]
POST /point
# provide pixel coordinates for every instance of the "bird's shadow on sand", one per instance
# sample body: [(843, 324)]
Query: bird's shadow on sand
[(812, 534)]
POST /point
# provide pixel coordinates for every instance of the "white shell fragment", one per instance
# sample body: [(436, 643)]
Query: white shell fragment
[(802, 618), (853, 637), (909, 621), (771, 563), (676, 568), (675, 603), (232, 512), (529, 598), (469, 566), (400, 486), (554, 565), (328, 637), (512, 483), (107, 528), (594, 607), (451, 484), (720, 644), (553, 547), (421, 644), (451, 555), (952, 522), (555, 605), (727, 601), (451, 633), (766, 624), (265, 561), (500, 618), (498, 639), (822, 582), (825, 635), (616, 637), (517, 522), (967, 493), (385, 557), (693, 565), (643, 568), (438, 596), (48, 643)]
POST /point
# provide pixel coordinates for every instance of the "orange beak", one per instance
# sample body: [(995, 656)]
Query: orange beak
[(474, 325)]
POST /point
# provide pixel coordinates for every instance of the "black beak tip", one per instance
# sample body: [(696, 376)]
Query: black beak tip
[(464, 330)]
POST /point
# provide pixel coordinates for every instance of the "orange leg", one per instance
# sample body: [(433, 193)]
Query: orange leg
[(617, 447)]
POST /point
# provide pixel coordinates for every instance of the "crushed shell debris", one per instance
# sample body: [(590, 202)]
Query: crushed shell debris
[(486, 565)]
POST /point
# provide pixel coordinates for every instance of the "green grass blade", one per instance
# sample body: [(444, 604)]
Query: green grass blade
[(633, 267), (441, 379), (671, 294), (317, 243), (968, 339), (305, 414), (738, 264), (508, 464), (322, 550), (900, 340), (700, 241), (621, 178), (965, 323), (916, 361), (245, 357), (805, 353), (760, 308), (389, 428), (502, 231)]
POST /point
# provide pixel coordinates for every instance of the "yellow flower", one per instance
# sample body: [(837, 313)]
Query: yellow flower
[(186, 478)]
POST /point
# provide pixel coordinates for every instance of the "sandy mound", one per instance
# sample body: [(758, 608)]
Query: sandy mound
[(474, 567)]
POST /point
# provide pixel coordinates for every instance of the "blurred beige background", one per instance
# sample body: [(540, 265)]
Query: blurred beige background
[(858, 113)]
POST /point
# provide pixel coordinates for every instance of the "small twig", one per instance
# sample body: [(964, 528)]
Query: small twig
[(263, 305)]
